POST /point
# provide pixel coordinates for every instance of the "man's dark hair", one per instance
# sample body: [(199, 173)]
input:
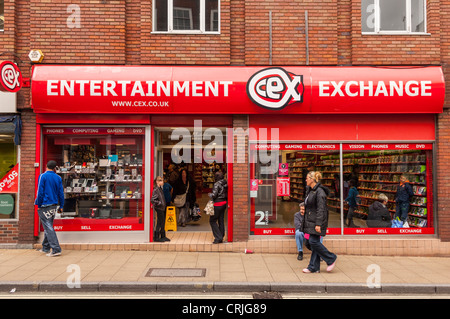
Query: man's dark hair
[(51, 165), (218, 176)]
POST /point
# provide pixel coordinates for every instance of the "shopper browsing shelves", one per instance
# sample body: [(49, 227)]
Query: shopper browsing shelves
[(184, 196), (379, 215), (351, 200), (402, 198)]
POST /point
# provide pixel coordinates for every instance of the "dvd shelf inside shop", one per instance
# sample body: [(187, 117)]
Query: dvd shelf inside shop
[(379, 172)]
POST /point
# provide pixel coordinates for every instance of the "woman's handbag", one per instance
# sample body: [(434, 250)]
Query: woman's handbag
[(209, 208), (180, 200)]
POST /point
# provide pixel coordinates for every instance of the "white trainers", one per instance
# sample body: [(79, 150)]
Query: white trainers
[(52, 254)]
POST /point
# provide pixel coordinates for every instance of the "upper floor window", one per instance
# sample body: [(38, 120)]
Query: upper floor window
[(2, 15), (393, 16), (186, 16)]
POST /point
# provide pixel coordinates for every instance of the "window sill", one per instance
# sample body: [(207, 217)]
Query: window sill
[(397, 33), (186, 32)]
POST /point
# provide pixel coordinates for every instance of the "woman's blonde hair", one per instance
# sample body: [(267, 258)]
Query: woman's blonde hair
[(158, 179), (315, 175)]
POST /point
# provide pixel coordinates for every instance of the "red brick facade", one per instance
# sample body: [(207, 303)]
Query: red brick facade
[(119, 32)]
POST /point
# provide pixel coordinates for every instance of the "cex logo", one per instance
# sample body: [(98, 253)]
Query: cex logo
[(275, 88), (11, 78)]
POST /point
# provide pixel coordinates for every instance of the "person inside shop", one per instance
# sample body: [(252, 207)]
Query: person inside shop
[(305, 171), (172, 175), (316, 223), (168, 190), (352, 203), (184, 196), (379, 215), (219, 196), (49, 200), (402, 198), (159, 205), (354, 175), (335, 185)]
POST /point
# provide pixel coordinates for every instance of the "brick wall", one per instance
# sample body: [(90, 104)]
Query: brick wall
[(397, 49), (443, 178), (27, 177), (240, 179)]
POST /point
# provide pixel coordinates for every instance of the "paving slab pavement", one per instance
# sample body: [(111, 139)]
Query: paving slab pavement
[(126, 271)]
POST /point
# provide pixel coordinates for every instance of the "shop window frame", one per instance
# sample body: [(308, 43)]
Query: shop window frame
[(14, 194), (2, 15), (407, 31), (430, 229), (64, 225), (170, 20)]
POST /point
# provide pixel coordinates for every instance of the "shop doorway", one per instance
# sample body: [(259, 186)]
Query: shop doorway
[(201, 152)]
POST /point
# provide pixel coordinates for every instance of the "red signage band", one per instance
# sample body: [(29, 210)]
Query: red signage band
[(287, 147), (270, 146), (387, 146), (94, 131), (350, 231), (87, 224), (10, 77), (236, 90)]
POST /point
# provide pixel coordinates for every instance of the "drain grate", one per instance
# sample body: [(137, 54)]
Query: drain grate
[(176, 272)]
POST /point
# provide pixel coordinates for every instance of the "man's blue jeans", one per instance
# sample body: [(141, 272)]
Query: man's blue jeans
[(401, 210), (50, 238)]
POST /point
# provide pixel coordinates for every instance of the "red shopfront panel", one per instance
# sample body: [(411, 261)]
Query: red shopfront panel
[(336, 128)]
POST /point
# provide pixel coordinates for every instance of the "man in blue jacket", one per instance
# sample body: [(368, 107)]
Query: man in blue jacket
[(49, 199)]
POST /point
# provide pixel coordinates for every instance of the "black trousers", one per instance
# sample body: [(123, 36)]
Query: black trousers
[(217, 222), (160, 231)]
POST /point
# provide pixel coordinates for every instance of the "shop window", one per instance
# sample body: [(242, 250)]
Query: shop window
[(103, 177), (387, 16), (382, 173), (9, 172), (387, 176), (277, 188), (181, 16)]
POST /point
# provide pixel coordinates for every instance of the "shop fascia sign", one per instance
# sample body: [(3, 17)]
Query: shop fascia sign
[(10, 77), (237, 90), (275, 88)]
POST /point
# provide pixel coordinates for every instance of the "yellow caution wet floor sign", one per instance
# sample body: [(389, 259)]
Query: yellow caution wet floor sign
[(171, 219)]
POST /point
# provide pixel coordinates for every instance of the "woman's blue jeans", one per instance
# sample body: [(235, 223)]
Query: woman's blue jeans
[(319, 251)]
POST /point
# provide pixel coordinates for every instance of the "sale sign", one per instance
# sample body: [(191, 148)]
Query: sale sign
[(283, 186), (10, 182)]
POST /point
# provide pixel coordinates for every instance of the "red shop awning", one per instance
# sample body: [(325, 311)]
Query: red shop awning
[(236, 90)]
